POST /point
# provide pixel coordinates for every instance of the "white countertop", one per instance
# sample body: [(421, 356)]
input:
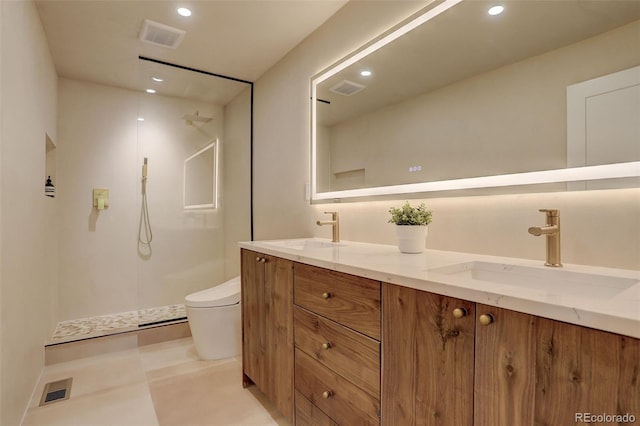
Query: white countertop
[(611, 308)]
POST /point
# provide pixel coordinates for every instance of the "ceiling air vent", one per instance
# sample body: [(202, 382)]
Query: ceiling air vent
[(160, 34), (347, 88)]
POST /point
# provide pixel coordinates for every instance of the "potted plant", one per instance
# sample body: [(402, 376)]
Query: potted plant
[(411, 226)]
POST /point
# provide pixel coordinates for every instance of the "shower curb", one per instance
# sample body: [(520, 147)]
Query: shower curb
[(118, 341)]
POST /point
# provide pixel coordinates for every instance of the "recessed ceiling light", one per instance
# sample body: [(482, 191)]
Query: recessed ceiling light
[(184, 11), (158, 79), (151, 91), (365, 73), (495, 10)]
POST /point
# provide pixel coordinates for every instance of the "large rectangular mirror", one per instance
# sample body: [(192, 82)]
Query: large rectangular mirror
[(457, 98)]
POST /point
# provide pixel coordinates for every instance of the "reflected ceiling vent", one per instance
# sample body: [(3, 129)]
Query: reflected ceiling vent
[(160, 34), (347, 88)]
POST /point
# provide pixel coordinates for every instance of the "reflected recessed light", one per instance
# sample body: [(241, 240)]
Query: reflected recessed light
[(496, 10), (140, 119), (184, 11), (151, 91), (365, 73), (158, 79)]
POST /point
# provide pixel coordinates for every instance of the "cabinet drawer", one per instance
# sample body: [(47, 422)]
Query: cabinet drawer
[(308, 414), (346, 404), (352, 355), (350, 300)]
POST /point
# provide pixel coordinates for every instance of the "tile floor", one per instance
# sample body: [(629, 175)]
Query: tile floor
[(162, 384)]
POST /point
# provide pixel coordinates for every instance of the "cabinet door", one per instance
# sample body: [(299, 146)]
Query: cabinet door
[(536, 371), (254, 310), (580, 370), (267, 327), (427, 359), (504, 368), (279, 333)]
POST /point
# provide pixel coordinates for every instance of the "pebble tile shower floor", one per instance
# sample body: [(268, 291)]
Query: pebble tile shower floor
[(162, 384), (103, 325)]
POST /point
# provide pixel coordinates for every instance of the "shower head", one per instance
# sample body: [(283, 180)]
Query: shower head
[(190, 118)]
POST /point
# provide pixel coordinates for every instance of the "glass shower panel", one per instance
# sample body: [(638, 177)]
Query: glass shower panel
[(188, 250)]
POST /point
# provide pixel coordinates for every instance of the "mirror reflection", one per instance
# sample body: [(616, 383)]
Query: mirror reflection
[(470, 94), (200, 178)]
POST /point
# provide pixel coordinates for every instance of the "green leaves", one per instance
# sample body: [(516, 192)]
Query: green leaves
[(407, 215)]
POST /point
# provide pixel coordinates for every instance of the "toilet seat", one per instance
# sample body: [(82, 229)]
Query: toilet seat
[(224, 294)]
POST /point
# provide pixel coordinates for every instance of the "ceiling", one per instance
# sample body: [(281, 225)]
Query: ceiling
[(97, 41)]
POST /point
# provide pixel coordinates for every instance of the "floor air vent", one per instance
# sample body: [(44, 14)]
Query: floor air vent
[(56, 391)]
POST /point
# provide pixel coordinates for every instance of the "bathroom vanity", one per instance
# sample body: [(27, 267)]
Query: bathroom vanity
[(353, 333)]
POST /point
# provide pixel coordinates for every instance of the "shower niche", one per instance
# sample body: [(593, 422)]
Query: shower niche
[(201, 178), (50, 166)]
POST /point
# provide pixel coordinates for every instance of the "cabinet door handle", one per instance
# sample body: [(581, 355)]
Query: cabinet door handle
[(327, 394), (460, 313), (327, 345), (258, 259), (486, 319), (326, 295)]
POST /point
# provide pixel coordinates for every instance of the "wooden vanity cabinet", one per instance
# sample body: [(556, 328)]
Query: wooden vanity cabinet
[(329, 349), (267, 327), (337, 341), (518, 369)]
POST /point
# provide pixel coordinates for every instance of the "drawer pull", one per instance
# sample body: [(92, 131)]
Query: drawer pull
[(460, 313), (326, 295), (327, 394), (327, 345), (486, 319)]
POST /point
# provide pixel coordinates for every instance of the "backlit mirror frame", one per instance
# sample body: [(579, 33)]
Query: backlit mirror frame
[(573, 174)]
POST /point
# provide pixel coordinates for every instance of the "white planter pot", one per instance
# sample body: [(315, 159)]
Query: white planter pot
[(411, 238)]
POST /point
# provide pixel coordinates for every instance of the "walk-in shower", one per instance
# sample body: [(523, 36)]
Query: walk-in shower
[(107, 270)]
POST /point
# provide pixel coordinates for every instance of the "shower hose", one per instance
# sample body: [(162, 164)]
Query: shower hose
[(145, 224)]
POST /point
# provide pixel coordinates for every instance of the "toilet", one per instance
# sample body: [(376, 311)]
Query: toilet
[(214, 319)]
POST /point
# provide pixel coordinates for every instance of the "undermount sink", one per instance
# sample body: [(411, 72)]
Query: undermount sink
[(303, 244), (558, 281)]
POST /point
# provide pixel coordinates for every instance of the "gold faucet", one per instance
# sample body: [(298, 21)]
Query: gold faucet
[(335, 223), (552, 231)]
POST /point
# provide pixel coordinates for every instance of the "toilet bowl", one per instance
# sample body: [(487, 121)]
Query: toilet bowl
[(214, 319)]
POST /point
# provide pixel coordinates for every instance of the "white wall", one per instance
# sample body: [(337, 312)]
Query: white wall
[(599, 227), (27, 272), (235, 201), (101, 144)]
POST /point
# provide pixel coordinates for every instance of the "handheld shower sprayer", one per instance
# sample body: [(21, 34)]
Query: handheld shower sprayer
[(144, 176), (145, 225)]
